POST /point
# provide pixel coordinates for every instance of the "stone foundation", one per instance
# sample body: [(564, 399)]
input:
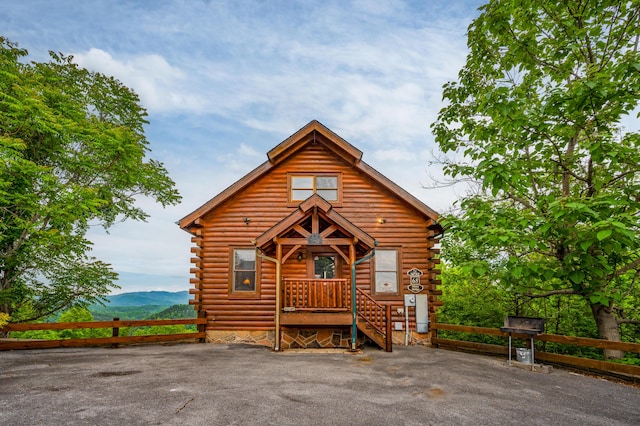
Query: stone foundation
[(261, 337), (290, 339), (423, 339), (323, 338), (303, 339)]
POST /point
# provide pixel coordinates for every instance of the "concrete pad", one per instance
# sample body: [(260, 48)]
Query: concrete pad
[(538, 368), (207, 384)]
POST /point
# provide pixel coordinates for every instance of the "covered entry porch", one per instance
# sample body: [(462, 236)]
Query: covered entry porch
[(310, 301), (329, 302), (307, 297)]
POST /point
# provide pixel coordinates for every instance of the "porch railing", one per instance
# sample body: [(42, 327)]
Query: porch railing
[(371, 312), (328, 295)]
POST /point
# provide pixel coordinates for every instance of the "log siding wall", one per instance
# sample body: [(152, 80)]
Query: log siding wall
[(264, 203)]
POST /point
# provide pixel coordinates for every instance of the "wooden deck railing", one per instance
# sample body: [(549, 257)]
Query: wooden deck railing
[(371, 311), (568, 360), (376, 316), (330, 295), (113, 341)]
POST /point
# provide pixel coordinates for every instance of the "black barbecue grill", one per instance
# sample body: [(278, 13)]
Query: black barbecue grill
[(523, 325)]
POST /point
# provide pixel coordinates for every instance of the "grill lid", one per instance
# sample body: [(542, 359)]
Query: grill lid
[(525, 325)]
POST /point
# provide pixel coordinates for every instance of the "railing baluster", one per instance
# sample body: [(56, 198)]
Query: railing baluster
[(317, 294), (371, 311)]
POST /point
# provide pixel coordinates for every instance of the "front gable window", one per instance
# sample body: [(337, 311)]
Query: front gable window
[(303, 186)]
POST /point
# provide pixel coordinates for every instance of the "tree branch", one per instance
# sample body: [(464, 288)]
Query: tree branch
[(551, 293), (628, 267), (633, 284)]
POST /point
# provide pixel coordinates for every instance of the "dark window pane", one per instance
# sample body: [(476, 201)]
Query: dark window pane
[(245, 281), (324, 266)]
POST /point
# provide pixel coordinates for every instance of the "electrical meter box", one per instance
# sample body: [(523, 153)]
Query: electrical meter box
[(422, 313), (409, 300)]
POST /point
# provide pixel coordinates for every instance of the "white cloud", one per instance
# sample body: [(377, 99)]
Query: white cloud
[(382, 89), (161, 86), (397, 155), (247, 151)]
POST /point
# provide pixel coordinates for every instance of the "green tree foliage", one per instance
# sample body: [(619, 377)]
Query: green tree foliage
[(175, 312), (76, 314), (535, 119), (108, 312), (172, 312), (160, 329), (72, 154), (80, 314), (469, 299)]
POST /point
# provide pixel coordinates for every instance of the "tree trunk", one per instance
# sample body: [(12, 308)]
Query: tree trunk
[(607, 328)]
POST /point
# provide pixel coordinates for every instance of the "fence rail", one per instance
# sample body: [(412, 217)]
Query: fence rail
[(113, 341), (568, 360)]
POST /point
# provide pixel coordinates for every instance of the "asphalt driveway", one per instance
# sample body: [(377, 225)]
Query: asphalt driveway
[(207, 384)]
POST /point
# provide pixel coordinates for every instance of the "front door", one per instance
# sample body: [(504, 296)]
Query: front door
[(323, 265)]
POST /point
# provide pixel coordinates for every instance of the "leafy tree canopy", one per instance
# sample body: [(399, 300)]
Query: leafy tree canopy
[(72, 154), (535, 119)]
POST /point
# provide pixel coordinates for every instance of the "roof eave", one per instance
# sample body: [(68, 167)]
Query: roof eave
[(189, 220)]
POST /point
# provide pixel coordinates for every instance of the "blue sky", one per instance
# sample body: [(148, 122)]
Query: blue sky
[(225, 81)]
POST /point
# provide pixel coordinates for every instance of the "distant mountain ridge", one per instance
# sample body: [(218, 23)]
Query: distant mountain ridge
[(141, 298)]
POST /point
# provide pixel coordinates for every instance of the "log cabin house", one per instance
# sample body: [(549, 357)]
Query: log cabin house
[(315, 248)]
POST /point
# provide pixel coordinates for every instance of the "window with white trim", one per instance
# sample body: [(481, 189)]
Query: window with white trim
[(386, 271)]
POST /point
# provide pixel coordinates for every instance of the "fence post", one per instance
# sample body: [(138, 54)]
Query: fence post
[(389, 332), (433, 327), (115, 333), (202, 327)]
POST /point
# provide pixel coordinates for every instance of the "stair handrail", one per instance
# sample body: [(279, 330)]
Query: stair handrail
[(379, 318), (380, 321)]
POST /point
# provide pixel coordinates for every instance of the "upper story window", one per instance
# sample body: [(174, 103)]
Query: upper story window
[(302, 186)]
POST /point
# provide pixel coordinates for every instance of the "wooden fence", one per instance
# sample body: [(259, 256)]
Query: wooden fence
[(606, 367), (113, 341)]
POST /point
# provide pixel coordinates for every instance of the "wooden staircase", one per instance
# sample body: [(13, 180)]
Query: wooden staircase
[(374, 320)]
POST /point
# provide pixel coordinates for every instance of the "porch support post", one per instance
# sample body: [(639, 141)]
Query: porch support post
[(354, 324), (278, 295), (354, 315), (277, 261)]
